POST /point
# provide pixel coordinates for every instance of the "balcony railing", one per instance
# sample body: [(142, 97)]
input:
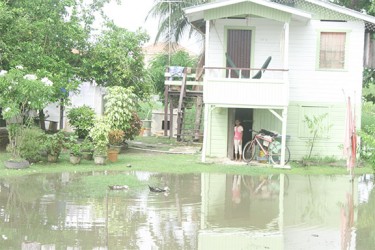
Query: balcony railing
[(246, 87)]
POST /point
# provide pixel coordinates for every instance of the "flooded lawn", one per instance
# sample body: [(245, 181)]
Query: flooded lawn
[(201, 211)]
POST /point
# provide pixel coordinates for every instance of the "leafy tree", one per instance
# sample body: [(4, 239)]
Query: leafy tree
[(116, 59), (358, 5)]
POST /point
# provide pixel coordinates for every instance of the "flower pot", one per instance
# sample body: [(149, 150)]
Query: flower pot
[(146, 125), (112, 155), (52, 158), (75, 159), (16, 164), (116, 148), (99, 159)]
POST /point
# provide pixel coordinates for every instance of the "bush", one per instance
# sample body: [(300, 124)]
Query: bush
[(82, 120), (134, 129), (368, 145), (30, 144)]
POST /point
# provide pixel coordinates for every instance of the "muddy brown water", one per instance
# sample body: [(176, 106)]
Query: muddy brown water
[(201, 211)]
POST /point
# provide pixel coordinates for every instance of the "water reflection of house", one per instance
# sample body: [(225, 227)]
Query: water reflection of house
[(312, 211), (82, 217)]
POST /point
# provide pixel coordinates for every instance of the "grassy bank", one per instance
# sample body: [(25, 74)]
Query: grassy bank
[(171, 163)]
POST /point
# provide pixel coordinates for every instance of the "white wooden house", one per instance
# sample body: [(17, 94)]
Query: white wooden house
[(317, 57)]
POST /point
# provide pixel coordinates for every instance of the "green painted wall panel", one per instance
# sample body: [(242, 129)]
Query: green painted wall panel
[(247, 8), (218, 131), (328, 146), (331, 145)]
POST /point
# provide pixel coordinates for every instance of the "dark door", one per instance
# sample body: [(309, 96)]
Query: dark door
[(238, 51)]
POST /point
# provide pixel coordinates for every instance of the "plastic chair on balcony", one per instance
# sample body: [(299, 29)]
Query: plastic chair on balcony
[(258, 75)]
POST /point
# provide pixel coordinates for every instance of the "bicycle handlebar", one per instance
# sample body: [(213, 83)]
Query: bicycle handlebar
[(265, 132)]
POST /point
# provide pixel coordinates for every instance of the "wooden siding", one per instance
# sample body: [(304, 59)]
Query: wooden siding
[(217, 141), (324, 146), (264, 119), (248, 92), (247, 9), (309, 84), (266, 37)]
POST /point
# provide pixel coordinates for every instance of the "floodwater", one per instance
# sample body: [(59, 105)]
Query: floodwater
[(201, 211)]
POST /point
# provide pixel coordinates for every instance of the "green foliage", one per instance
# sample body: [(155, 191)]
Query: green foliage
[(119, 107), (317, 127), (87, 145), (116, 59), (358, 5), (134, 128), (157, 68), (116, 137), (21, 92), (56, 37), (369, 85), (172, 13), (144, 109), (54, 143), (30, 144), (82, 119), (72, 144), (368, 145), (99, 135)]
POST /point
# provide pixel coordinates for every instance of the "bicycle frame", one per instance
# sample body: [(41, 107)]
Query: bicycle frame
[(259, 139)]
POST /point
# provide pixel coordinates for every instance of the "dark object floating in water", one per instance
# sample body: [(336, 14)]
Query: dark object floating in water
[(119, 187), (158, 190)]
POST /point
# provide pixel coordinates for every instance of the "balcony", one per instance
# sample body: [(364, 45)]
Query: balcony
[(245, 87)]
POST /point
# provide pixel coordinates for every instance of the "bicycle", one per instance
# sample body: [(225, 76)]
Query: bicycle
[(265, 141)]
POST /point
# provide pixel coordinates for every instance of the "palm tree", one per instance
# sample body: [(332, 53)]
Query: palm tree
[(172, 22)]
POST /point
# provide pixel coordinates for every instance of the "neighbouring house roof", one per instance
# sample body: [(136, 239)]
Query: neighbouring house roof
[(150, 51), (282, 10)]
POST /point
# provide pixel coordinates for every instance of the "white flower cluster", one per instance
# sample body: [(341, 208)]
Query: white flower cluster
[(3, 72), (30, 77), (6, 110), (47, 81)]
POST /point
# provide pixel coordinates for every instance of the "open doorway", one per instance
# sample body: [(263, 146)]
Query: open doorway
[(245, 115)]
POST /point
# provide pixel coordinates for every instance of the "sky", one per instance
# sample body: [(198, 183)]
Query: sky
[(131, 14)]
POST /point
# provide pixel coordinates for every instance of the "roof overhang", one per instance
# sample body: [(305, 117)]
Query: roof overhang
[(202, 12), (197, 14)]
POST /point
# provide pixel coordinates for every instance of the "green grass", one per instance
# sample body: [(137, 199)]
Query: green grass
[(167, 163)]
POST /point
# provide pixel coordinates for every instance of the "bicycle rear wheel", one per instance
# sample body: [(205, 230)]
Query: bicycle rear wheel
[(249, 151), (274, 151)]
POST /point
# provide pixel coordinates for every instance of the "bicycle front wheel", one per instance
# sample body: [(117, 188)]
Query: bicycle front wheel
[(274, 151), (249, 151)]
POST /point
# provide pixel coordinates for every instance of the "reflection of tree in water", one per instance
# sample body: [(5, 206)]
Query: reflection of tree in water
[(314, 209), (365, 232)]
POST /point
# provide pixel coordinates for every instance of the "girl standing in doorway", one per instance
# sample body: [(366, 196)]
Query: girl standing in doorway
[(238, 133)]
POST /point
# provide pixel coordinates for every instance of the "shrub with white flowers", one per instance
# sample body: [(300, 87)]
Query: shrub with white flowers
[(21, 92)]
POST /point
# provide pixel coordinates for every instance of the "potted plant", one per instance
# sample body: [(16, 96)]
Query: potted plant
[(99, 136), (82, 120), (120, 111), (75, 149), (116, 138), (53, 144), (87, 149)]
